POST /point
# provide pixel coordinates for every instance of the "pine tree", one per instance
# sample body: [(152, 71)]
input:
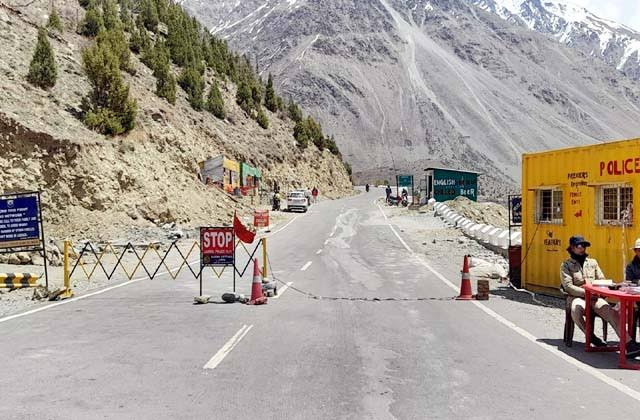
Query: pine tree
[(54, 21), (332, 146), (243, 97), (263, 120), (110, 15), (125, 16), (270, 98), (215, 103), (108, 108), (116, 41), (301, 135), (165, 81), (191, 82), (135, 41), (294, 111), (139, 41), (42, 69), (93, 22), (149, 14), (256, 94)]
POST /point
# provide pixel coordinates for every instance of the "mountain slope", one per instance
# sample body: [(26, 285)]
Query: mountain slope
[(618, 45), (94, 185), (405, 81)]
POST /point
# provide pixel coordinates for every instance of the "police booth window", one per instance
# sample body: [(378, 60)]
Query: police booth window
[(549, 206), (615, 204)]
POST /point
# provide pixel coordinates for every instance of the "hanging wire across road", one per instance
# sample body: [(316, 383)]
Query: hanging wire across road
[(353, 298)]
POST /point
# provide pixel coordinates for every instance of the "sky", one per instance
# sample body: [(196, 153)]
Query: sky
[(622, 11)]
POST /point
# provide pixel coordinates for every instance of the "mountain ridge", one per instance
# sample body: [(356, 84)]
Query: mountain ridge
[(429, 80)]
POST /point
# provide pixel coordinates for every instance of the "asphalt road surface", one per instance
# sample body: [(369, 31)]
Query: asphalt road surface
[(144, 351)]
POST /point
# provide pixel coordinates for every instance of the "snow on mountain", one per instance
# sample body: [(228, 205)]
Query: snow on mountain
[(617, 44)]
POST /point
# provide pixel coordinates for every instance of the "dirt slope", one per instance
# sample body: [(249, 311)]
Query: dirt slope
[(95, 186)]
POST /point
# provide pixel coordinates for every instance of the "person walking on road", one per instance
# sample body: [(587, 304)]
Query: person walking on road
[(575, 272), (388, 191), (314, 194)]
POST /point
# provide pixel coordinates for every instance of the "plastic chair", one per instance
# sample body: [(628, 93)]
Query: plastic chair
[(569, 325)]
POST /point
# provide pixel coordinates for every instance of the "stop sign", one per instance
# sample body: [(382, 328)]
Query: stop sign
[(217, 246)]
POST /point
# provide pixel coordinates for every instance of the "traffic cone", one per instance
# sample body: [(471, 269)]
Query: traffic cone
[(257, 297), (465, 286)]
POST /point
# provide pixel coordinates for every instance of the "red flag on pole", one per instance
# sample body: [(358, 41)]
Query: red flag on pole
[(242, 233)]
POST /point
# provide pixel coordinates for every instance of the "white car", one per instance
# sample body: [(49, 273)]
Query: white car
[(296, 200)]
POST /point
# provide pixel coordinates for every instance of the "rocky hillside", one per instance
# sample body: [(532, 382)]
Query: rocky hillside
[(574, 26), (412, 80), (94, 185)]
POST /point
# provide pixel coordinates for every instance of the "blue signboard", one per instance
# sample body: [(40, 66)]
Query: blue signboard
[(516, 210), (405, 181), (19, 224)]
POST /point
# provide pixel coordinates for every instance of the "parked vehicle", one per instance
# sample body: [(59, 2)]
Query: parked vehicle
[(396, 200), (296, 200)]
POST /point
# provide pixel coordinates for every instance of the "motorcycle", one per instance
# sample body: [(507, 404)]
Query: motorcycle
[(394, 200)]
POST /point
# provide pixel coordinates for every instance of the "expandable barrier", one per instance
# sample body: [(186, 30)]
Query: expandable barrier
[(18, 280), (139, 260)]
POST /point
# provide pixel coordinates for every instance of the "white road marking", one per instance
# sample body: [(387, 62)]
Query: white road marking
[(384, 215), (304, 267), (319, 252), (282, 228), (226, 349), (524, 333), (282, 290), (326, 242), (333, 230), (64, 302)]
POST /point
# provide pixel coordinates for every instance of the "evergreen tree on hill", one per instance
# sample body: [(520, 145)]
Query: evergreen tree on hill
[(54, 21), (262, 119), (125, 15), (42, 69), (191, 82), (139, 41), (93, 22), (294, 111), (165, 81), (270, 98), (244, 98), (115, 40), (110, 15), (215, 103), (149, 13), (108, 108)]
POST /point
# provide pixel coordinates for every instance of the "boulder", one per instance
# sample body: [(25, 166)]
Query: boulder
[(24, 257), (37, 259)]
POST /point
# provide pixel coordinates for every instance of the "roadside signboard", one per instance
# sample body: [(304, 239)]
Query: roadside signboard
[(19, 222), (21, 225), (516, 209), (217, 246), (405, 181), (261, 218)]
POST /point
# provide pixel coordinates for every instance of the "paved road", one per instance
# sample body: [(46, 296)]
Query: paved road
[(139, 351)]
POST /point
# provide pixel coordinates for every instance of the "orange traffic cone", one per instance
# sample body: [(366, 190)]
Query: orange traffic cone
[(465, 287), (257, 297)]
